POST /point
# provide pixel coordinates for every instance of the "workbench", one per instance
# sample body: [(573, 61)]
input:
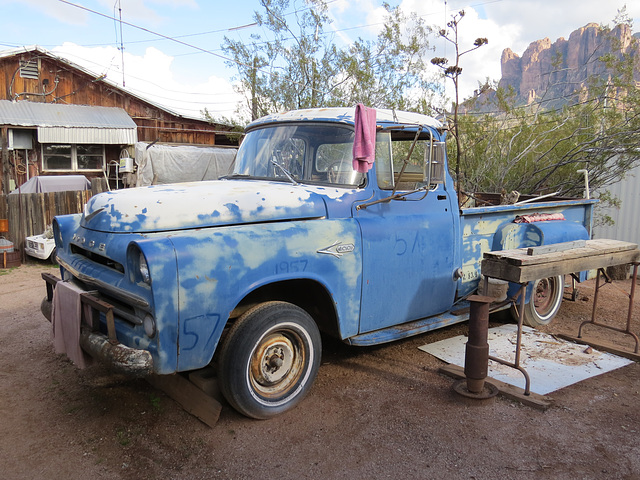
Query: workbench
[(525, 265)]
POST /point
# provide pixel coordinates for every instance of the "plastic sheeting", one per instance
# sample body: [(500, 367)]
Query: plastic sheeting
[(58, 183), (160, 164)]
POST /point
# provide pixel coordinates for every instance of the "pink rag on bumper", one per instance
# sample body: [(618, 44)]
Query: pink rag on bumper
[(66, 319), (364, 144)]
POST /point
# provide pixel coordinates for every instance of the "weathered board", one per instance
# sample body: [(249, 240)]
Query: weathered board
[(194, 400), (30, 213), (519, 267), (540, 402)]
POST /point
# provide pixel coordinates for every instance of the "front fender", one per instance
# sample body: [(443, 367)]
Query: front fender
[(218, 267)]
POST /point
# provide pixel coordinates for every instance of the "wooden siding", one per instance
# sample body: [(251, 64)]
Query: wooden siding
[(74, 86)]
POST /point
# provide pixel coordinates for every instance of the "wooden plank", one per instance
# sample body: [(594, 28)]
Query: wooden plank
[(602, 346), (556, 247), (196, 402), (207, 381), (535, 400), (593, 247), (497, 268)]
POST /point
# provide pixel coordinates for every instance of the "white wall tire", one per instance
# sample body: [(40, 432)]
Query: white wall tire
[(543, 303), (269, 359)]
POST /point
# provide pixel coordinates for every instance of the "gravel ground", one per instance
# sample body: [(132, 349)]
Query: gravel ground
[(380, 412)]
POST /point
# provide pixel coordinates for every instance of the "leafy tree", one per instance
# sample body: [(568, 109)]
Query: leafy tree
[(538, 148), (296, 64)]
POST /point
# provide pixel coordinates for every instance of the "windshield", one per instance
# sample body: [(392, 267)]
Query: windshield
[(309, 153)]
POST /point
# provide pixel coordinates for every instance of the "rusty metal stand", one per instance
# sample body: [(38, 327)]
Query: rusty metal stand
[(631, 295), (516, 363), (476, 366)]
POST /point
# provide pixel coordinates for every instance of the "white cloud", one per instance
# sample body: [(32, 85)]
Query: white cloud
[(510, 24), (56, 10), (152, 76), (147, 11)]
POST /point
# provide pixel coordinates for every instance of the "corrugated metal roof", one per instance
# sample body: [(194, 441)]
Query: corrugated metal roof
[(58, 123), (107, 136)]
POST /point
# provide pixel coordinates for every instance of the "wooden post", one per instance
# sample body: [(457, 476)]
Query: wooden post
[(5, 160)]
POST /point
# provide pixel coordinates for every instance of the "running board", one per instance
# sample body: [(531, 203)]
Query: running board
[(405, 330)]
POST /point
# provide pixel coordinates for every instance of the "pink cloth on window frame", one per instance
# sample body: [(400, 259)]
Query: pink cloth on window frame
[(364, 144)]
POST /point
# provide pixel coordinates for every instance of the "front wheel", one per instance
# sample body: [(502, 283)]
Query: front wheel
[(269, 359), (544, 302)]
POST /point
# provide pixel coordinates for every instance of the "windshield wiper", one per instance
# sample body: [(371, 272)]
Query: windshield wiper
[(285, 171)]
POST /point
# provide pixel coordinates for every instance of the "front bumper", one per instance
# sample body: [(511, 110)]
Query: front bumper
[(104, 348)]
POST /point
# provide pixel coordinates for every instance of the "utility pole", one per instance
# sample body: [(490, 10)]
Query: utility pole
[(254, 100)]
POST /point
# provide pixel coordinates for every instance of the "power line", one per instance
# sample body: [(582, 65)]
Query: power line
[(203, 50)]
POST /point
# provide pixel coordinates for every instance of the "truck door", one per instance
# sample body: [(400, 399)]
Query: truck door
[(408, 248)]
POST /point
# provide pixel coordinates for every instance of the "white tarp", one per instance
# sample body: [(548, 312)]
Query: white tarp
[(551, 363), (160, 164)]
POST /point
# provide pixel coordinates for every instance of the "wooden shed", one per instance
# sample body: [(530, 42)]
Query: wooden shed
[(93, 135)]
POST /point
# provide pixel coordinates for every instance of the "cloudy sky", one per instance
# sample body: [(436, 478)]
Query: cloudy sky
[(189, 75)]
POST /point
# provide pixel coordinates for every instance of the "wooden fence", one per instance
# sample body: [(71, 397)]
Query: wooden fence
[(30, 213)]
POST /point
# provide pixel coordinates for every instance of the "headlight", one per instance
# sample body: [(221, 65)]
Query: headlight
[(144, 269), (137, 265), (149, 325)]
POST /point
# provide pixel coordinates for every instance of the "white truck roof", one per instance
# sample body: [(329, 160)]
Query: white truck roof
[(347, 115)]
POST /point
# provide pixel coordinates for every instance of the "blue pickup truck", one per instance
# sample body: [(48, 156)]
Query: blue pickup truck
[(246, 271)]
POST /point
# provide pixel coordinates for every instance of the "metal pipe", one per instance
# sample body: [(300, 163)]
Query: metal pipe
[(631, 296), (587, 194), (516, 363), (476, 363)]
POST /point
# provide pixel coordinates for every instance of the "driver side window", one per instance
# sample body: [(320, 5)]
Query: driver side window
[(334, 162)]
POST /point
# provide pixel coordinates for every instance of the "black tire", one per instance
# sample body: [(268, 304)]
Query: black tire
[(269, 359), (544, 302), (52, 257)]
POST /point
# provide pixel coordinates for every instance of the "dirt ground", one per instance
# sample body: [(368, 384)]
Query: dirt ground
[(382, 412)]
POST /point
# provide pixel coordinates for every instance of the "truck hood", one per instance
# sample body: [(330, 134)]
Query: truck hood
[(199, 205)]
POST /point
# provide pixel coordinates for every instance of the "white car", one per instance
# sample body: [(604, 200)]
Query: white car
[(42, 246)]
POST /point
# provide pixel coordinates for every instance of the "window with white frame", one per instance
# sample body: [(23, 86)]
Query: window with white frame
[(73, 157)]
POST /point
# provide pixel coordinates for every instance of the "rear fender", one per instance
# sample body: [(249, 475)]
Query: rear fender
[(524, 235)]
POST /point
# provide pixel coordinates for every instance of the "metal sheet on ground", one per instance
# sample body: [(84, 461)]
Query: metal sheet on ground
[(551, 363)]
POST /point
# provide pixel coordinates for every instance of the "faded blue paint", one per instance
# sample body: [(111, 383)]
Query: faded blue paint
[(200, 205), (218, 268), (491, 228), (388, 269)]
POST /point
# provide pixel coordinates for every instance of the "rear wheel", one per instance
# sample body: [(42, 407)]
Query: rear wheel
[(269, 359), (544, 302)]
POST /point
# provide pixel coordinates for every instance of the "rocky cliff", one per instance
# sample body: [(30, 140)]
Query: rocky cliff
[(556, 72)]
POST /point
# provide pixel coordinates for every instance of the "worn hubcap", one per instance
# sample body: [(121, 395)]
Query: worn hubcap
[(276, 364), (543, 299)]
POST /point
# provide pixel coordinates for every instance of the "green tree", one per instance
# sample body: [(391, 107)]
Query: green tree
[(539, 148), (296, 64)]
